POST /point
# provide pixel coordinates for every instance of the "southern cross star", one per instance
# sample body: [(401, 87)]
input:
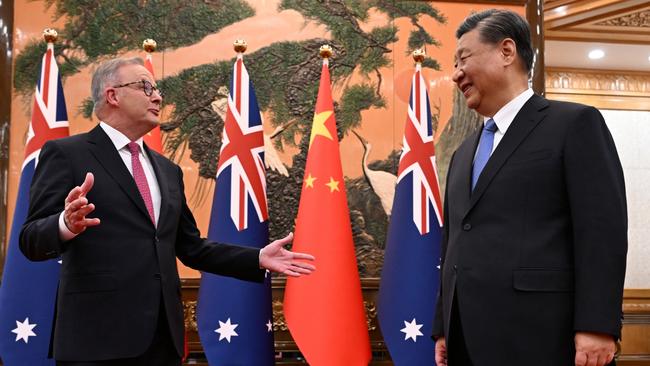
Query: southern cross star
[(24, 330)]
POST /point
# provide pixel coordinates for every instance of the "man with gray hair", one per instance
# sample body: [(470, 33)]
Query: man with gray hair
[(535, 227), (118, 299)]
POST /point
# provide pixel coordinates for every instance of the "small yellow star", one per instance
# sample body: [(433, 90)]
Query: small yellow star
[(309, 181), (333, 184), (319, 128)]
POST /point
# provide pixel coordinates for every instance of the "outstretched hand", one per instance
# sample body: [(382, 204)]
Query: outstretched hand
[(277, 259), (77, 207)]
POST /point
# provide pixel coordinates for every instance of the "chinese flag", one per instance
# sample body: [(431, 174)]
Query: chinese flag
[(324, 310), (153, 138)]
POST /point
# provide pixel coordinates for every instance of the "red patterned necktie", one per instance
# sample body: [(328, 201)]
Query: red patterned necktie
[(141, 179)]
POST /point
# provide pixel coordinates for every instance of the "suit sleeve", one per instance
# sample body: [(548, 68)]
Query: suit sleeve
[(438, 323), (596, 191), (218, 258), (52, 181)]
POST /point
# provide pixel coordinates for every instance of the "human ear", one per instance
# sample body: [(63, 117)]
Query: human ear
[(508, 50), (111, 97)]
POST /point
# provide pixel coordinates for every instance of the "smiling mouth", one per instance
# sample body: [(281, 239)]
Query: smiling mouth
[(155, 111), (465, 89)]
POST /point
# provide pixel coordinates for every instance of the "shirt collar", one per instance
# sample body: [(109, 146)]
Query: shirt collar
[(504, 117), (118, 138)]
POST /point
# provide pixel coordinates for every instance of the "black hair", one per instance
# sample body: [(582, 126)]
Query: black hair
[(495, 25)]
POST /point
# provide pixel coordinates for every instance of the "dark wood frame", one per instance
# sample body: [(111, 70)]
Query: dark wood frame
[(6, 79), (635, 350)]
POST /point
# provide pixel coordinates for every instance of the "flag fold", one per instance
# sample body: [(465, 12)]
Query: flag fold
[(153, 138)]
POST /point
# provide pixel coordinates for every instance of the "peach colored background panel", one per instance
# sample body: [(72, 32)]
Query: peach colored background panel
[(381, 127)]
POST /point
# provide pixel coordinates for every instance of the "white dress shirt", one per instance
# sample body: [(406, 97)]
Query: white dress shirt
[(504, 117), (120, 141)]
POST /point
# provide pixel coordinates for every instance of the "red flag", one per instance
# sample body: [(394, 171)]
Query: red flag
[(153, 138), (324, 310)]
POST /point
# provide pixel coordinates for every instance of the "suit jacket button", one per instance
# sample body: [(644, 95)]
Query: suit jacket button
[(467, 227), (455, 268), (157, 276)]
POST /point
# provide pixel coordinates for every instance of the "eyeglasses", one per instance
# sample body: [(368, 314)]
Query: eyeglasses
[(147, 87)]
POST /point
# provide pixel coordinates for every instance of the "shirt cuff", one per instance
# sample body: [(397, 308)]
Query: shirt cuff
[(64, 233)]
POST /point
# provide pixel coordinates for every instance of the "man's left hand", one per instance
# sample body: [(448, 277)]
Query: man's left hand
[(594, 349), (275, 258)]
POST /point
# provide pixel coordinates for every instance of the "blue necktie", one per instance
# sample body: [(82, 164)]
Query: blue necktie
[(484, 150)]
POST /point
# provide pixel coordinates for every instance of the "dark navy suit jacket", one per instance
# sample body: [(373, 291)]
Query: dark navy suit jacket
[(114, 275), (537, 251)]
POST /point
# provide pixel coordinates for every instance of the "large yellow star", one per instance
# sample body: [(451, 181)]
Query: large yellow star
[(309, 181), (319, 128), (333, 184)]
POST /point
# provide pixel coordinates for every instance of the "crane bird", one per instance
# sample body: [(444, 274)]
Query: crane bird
[(381, 182)]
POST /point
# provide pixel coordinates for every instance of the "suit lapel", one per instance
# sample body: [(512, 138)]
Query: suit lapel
[(163, 183), (528, 117), (104, 151), (465, 158)]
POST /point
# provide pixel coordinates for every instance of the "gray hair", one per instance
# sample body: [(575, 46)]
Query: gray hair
[(105, 74)]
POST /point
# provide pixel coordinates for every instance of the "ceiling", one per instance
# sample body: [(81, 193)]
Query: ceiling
[(620, 28)]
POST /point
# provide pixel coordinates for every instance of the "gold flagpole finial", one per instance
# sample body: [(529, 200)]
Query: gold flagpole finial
[(50, 35), (325, 51), (149, 45), (418, 55), (240, 46)]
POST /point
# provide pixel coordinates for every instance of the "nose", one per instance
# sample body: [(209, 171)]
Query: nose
[(156, 97), (457, 75)]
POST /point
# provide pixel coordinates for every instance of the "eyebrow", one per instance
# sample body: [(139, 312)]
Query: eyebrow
[(461, 50), (458, 53), (152, 82)]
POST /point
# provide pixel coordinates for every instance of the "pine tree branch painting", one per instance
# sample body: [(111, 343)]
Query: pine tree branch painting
[(285, 75)]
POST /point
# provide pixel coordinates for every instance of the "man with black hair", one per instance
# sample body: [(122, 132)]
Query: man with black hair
[(535, 228)]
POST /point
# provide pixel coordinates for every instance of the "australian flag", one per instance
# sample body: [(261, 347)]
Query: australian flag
[(410, 278), (234, 317), (29, 288)]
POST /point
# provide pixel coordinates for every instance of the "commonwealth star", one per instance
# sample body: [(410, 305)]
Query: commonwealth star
[(226, 330), (411, 330)]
